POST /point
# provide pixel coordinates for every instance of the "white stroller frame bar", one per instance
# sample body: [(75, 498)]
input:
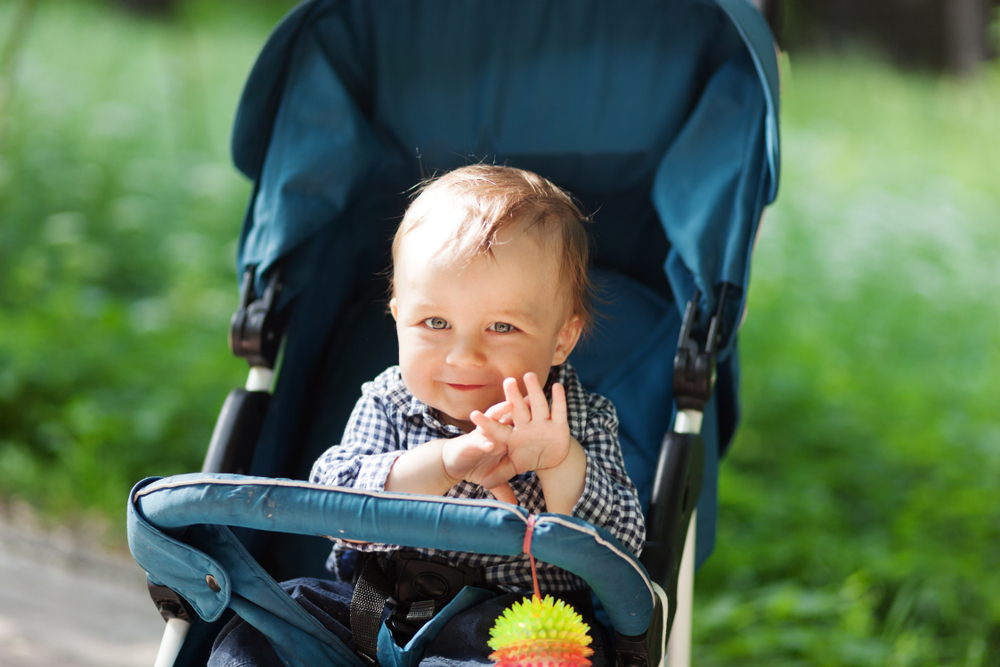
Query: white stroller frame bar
[(170, 645), (260, 379), (679, 645)]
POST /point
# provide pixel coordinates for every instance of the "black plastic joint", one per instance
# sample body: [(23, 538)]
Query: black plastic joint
[(695, 362), (169, 603), (254, 332), (632, 651)]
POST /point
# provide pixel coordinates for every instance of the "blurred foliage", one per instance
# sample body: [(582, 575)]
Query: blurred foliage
[(859, 505), (119, 213), (940, 35)]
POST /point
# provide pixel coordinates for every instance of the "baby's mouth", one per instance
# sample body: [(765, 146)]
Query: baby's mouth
[(465, 387)]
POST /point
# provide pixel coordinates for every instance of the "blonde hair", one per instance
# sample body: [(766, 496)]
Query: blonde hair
[(492, 198)]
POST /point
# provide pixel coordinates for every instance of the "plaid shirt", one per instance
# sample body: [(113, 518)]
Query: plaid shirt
[(388, 421)]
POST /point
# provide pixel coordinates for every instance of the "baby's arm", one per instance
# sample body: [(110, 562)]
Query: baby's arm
[(435, 467), (563, 484), (372, 457), (609, 499), (368, 448)]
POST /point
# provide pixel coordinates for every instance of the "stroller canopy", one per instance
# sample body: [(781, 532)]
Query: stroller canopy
[(650, 112), (660, 116)]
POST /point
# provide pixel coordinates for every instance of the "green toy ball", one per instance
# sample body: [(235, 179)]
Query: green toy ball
[(540, 633)]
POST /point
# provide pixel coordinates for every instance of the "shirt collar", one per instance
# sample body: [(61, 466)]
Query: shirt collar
[(413, 407)]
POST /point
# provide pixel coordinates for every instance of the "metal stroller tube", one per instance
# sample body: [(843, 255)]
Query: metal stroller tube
[(255, 333), (670, 527)]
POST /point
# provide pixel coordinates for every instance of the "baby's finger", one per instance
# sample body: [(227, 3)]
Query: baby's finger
[(539, 406), (499, 411), (490, 428), (559, 403), (520, 411), (504, 493)]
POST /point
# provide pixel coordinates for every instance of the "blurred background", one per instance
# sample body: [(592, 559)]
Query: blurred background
[(860, 504)]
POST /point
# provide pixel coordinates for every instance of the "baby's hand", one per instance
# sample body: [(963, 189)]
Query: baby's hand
[(539, 438), (475, 458)]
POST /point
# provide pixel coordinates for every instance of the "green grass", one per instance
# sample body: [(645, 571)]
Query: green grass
[(860, 513), (859, 508)]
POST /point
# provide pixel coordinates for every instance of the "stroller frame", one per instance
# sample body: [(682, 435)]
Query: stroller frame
[(707, 337)]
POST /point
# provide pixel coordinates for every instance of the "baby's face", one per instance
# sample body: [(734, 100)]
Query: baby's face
[(464, 328)]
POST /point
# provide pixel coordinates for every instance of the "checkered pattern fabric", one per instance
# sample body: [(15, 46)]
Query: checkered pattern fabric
[(388, 421)]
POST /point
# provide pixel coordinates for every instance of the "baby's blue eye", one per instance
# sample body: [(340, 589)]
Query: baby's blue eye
[(501, 327), (436, 323)]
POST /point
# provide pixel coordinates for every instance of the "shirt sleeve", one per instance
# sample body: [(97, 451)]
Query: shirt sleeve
[(367, 451), (609, 498), (362, 460)]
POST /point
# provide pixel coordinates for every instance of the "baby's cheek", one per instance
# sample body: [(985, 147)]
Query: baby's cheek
[(414, 381)]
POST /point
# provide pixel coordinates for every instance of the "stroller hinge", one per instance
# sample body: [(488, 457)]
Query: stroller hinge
[(254, 332), (632, 651), (694, 364), (169, 603), (649, 648)]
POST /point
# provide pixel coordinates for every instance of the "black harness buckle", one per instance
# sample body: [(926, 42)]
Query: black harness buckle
[(418, 579), (423, 588), (416, 588)]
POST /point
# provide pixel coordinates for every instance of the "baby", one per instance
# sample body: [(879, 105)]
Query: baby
[(490, 295)]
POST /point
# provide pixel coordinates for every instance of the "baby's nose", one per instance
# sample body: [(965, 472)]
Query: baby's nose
[(466, 352)]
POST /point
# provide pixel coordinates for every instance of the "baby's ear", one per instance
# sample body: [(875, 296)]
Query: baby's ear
[(567, 338), (392, 307)]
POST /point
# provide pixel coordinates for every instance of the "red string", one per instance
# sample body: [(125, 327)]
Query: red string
[(526, 548)]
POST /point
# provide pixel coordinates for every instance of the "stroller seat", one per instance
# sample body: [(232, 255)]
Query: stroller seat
[(660, 117)]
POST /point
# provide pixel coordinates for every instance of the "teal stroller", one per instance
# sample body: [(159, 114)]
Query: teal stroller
[(660, 117)]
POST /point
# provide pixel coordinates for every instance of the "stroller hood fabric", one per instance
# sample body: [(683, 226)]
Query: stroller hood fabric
[(652, 113)]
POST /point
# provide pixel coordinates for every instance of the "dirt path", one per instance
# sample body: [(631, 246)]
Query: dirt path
[(65, 605)]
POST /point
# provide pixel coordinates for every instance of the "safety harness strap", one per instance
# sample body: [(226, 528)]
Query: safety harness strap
[(371, 592)]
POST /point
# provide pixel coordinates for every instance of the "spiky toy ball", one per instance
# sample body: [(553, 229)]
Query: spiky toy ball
[(540, 633)]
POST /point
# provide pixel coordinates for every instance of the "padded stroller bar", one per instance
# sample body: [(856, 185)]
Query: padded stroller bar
[(163, 515)]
